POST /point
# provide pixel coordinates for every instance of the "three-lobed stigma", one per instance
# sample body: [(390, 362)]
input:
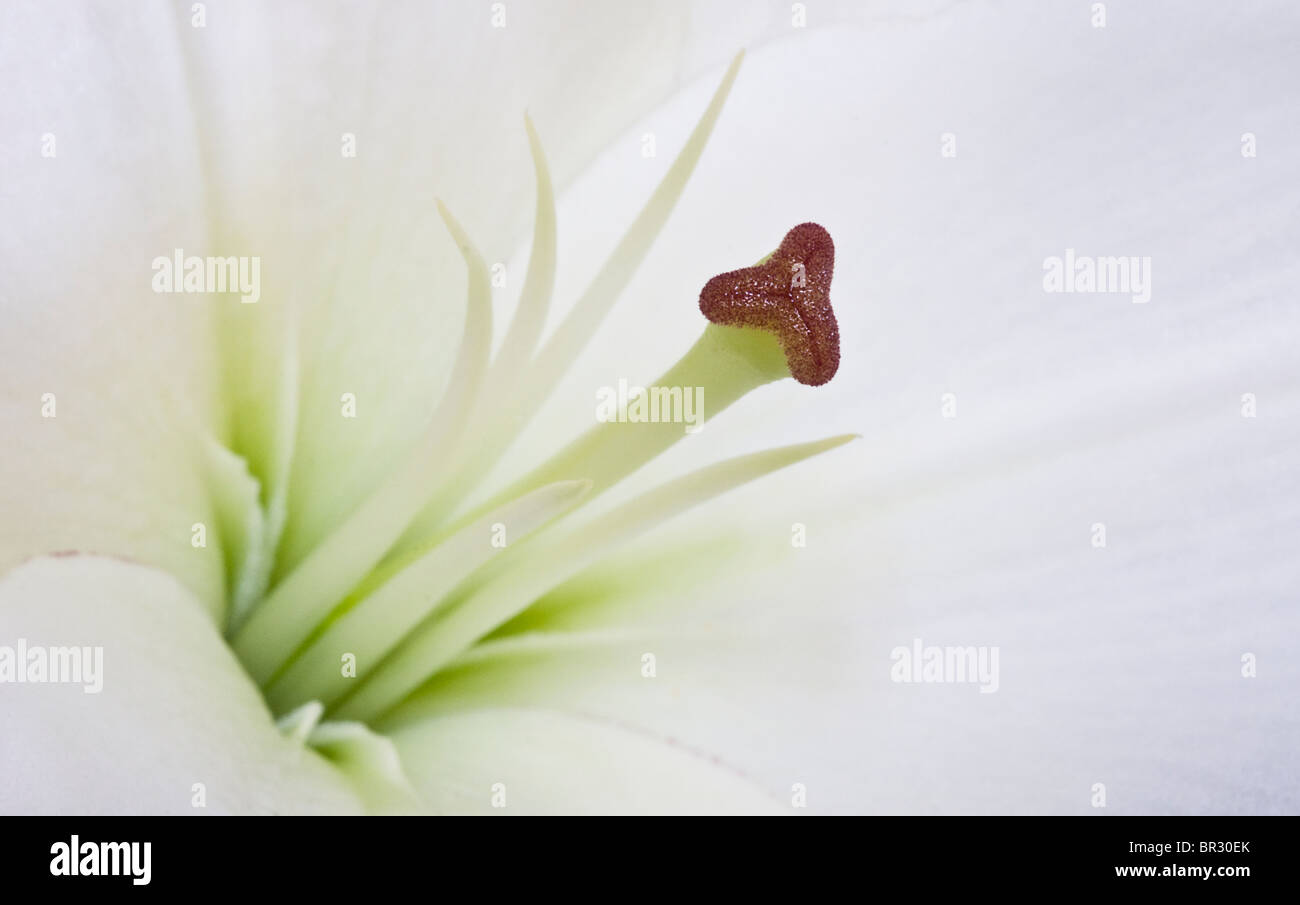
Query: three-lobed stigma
[(789, 295)]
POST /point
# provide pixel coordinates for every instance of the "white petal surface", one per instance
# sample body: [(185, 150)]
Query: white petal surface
[(175, 709), (1119, 665), (551, 762), (95, 182), (719, 641)]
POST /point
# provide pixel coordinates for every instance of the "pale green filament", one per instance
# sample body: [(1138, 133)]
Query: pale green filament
[(517, 347), (298, 604), (520, 398), (377, 615), (546, 564)]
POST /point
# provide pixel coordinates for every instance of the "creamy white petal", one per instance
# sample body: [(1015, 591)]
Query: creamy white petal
[(1119, 665), (536, 761), (108, 385), (718, 640), (175, 718)]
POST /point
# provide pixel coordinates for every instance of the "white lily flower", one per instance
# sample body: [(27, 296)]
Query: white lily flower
[(339, 545)]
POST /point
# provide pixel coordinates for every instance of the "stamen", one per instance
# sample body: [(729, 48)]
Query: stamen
[(533, 382), (375, 617), (545, 563), (788, 295), (492, 433), (526, 327), (590, 310), (295, 607)]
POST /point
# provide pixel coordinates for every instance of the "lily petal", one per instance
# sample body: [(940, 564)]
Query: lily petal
[(1071, 410), (535, 761), (109, 387), (176, 722)]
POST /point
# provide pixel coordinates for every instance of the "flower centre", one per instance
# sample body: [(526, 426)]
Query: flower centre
[(408, 583)]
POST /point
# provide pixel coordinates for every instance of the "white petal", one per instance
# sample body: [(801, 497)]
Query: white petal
[(129, 372), (529, 761), (1119, 665), (729, 650), (176, 716)]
